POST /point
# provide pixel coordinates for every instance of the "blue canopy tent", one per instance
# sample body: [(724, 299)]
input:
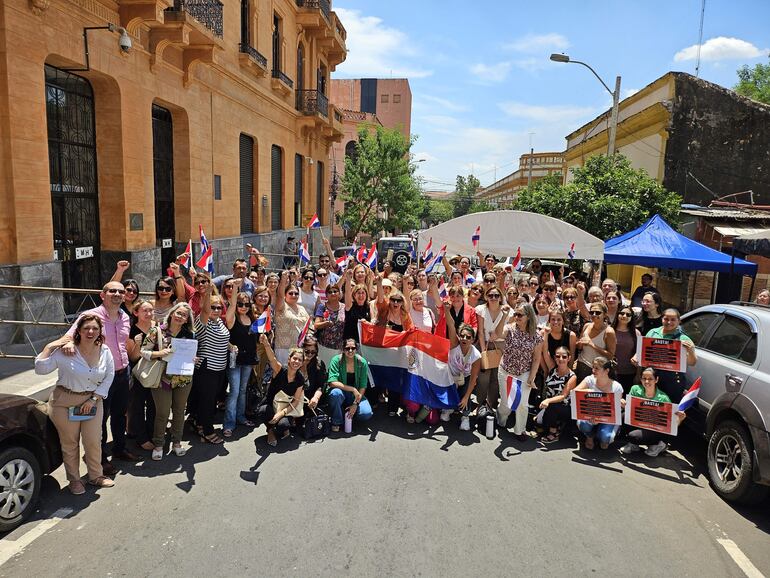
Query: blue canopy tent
[(656, 244)]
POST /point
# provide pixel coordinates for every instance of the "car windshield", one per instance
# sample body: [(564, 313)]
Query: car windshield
[(396, 245)]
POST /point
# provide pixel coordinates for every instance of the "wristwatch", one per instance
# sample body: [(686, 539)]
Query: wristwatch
[(94, 398)]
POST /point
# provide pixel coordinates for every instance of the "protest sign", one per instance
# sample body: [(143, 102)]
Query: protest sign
[(596, 406), (667, 354), (653, 415)]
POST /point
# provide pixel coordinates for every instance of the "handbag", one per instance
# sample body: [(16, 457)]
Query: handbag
[(490, 359), (282, 401), (316, 425), (149, 371)]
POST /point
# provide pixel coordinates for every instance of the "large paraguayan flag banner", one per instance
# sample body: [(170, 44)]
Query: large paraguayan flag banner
[(413, 363)]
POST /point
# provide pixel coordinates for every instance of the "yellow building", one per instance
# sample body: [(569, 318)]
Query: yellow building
[(126, 124), (532, 167)]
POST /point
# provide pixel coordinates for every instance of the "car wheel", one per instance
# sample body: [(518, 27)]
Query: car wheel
[(730, 463), (401, 260), (19, 486)]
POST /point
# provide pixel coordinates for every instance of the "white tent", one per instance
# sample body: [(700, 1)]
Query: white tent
[(502, 232)]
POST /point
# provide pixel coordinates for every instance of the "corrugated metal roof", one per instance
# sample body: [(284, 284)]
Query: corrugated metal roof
[(736, 214)]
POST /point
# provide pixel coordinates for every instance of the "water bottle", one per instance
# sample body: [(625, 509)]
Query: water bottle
[(348, 423), (490, 433), (233, 356)]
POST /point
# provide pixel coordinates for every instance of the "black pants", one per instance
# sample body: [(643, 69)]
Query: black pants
[(115, 407), (626, 380), (141, 412), (265, 413), (645, 437), (206, 385), (556, 414)]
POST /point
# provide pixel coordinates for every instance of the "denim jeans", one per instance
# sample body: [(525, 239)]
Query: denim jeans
[(235, 408), (337, 398), (603, 432)]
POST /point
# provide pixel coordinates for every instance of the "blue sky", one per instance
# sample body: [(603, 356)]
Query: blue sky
[(482, 82)]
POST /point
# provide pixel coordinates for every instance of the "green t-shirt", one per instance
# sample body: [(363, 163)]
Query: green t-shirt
[(657, 333), (638, 391)]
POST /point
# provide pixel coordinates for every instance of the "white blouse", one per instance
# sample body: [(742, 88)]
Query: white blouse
[(75, 373)]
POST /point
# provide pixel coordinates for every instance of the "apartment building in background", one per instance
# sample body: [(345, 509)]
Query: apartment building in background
[(532, 166)]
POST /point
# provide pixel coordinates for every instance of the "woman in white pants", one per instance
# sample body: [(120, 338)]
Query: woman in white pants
[(520, 360)]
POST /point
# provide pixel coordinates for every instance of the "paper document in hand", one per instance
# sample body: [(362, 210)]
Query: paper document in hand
[(182, 358)]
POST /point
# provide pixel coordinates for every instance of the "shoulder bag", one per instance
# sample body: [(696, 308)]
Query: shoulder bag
[(149, 371), (490, 359), (316, 425), (282, 401)]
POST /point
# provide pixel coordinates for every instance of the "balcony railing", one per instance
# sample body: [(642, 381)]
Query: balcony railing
[(312, 102), (283, 78), (323, 5), (207, 12), (253, 53), (337, 115)]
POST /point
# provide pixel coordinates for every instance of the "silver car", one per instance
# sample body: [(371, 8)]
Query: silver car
[(733, 409)]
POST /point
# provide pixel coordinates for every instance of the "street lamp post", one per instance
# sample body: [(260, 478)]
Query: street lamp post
[(615, 99)]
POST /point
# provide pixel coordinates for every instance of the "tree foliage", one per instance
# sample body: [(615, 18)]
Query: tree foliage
[(437, 211), (607, 197), (379, 188), (754, 82), (464, 195)]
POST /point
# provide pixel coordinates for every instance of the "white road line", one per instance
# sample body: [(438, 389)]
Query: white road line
[(9, 548), (740, 558)]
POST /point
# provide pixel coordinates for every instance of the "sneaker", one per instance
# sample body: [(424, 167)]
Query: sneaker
[(629, 448), (157, 454), (446, 414), (482, 412), (655, 450), (179, 450), (465, 423), (102, 482)]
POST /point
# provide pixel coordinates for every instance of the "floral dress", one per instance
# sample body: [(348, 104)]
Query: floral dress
[(332, 335)]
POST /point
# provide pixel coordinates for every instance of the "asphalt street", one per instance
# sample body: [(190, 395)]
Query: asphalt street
[(395, 500)]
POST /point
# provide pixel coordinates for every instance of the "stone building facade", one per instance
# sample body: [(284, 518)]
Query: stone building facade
[(217, 115), (532, 166)]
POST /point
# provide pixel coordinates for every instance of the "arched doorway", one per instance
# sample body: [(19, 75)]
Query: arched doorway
[(71, 126)]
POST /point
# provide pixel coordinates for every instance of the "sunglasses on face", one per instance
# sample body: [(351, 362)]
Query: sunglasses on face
[(202, 282), (533, 283), (161, 288), (130, 290), (518, 315), (122, 291), (242, 304), (465, 337), (396, 300), (476, 290), (561, 356), (493, 296), (625, 314), (332, 292), (293, 294), (350, 349), (309, 351), (570, 298), (596, 313), (309, 278), (216, 308)]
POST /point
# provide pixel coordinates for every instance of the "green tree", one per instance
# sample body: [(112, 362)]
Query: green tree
[(437, 211), (754, 82), (379, 188), (465, 194), (480, 206), (607, 197)]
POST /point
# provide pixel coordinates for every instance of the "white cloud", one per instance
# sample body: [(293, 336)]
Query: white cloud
[(538, 43), (491, 73), (377, 50), (435, 102), (626, 92), (720, 48), (547, 114)]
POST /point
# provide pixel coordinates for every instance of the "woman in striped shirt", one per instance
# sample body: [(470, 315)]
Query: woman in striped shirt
[(211, 370)]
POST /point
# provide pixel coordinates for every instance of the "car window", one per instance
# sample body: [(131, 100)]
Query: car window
[(730, 338), (395, 245), (697, 326), (749, 353)]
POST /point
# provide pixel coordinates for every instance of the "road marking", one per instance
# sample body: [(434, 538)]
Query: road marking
[(740, 558), (9, 548)]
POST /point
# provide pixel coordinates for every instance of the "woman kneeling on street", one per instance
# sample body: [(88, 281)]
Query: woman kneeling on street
[(348, 376), (600, 380), (465, 366), (654, 441), (84, 381), (288, 380), (559, 382)]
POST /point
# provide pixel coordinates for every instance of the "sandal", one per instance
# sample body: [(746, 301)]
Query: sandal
[(212, 439), (249, 423), (286, 434), (271, 441), (149, 446), (551, 437), (228, 433), (335, 428)]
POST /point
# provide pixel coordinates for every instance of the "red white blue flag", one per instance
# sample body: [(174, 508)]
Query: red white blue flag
[(206, 262), (516, 265), (442, 292), (690, 397), (304, 254), (263, 323), (571, 252), (371, 258), (476, 237), (427, 254), (413, 364), (361, 253), (187, 255), (429, 266), (513, 392), (315, 222), (303, 333)]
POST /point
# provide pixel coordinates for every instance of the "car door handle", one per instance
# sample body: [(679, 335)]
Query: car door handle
[(732, 382)]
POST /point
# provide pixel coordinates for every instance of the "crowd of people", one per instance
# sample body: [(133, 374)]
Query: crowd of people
[(552, 331)]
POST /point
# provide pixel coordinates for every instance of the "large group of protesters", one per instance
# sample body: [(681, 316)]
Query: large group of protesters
[(552, 331)]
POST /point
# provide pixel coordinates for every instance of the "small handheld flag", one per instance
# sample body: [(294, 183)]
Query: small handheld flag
[(442, 292), (361, 254), (315, 222), (342, 263), (571, 252), (304, 254), (690, 396), (476, 237), (303, 333), (551, 278), (187, 255), (371, 259), (263, 323), (206, 262), (513, 392), (427, 254), (435, 261), (516, 265)]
